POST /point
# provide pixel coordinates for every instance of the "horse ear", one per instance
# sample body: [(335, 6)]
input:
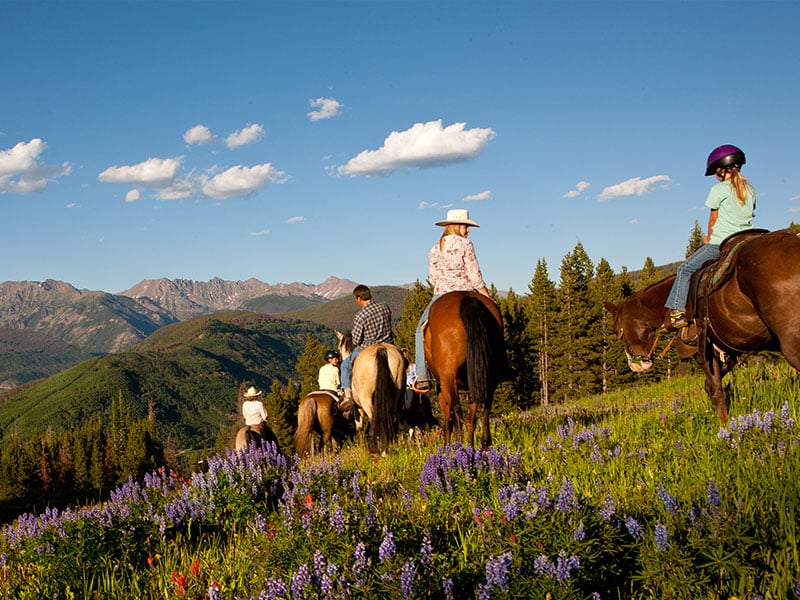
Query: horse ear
[(612, 308), (339, 335)]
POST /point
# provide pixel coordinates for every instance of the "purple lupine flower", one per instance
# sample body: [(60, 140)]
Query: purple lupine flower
[(497, 571), (712, 495), (634, 528), (566, 497), (425, 552), (371, 510), (595, 595), (609, 508), (447, 588), (214, 592), (276, 588), (580, 533), (694, 513), (407, 574), (387, 548), (300, 579), (565, 565), (360, 562), (786, 420), (661, 537), (679, 445), (336, 520), (543, 566), (667, 499), (407, 498)]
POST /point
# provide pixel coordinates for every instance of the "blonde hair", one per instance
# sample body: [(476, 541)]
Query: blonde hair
[(453, 229), (741, 186)]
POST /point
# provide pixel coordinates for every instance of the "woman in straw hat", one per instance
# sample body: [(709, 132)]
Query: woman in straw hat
[(452, 267), (253, 409)]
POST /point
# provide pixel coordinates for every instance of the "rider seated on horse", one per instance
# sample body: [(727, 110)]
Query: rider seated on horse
[(732, 202), (328, 378), (371, 325), (253, 411)]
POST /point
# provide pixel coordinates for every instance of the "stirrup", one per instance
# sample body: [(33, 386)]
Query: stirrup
[(677, 319)]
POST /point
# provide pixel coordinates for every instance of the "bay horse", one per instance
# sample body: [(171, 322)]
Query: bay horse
[(378, 383), (319, 413), (248, 434), (465, 349), (746, 301)]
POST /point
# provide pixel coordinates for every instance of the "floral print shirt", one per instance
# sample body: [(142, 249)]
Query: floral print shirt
[(454, 268)]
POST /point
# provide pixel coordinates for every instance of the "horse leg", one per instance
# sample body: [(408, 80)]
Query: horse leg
[(472, 415), (486, 434), (713, 370)]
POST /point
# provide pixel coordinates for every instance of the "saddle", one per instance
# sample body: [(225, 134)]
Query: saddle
[(711, 276)]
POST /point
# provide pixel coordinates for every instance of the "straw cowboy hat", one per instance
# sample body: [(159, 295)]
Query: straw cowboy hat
[(252, 392), (458, 216)]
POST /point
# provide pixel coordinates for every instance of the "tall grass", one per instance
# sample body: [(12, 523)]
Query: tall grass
[(638, 494)]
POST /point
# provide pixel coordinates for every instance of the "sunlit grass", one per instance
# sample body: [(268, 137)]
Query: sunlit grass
[(635, 494)]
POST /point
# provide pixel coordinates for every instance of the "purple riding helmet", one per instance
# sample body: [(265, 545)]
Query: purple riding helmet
[(724, 156)]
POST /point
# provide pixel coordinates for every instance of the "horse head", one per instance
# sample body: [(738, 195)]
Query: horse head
[(345, 344), (638, 337)]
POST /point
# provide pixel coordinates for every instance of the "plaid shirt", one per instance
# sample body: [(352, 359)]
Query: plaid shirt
[(372, 325)]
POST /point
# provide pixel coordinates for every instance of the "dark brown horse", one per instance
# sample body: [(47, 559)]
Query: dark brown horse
[(747, 301), (319, 413), (464, 349)]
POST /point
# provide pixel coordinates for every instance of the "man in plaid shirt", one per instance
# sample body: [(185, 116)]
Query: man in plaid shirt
[(371, 325)]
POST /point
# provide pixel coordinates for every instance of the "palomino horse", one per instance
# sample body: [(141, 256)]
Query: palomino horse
[(254, 433), (319, 413), (746, 302), (464, 348), (377, 384)]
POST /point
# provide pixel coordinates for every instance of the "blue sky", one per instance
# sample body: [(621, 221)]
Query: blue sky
[(291, 141)]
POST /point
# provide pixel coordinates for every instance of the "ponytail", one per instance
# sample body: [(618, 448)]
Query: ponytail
[(741, 186)]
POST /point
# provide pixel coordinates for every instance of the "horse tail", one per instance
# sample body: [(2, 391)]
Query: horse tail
[(485, 349), (306, 413), (385, 399)]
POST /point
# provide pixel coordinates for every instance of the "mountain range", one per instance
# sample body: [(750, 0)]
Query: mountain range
[(49, 325)]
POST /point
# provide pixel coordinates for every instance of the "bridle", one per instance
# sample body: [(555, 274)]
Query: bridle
[(649, 356)]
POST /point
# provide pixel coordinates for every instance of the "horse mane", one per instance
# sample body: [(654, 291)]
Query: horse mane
[(346, 343)]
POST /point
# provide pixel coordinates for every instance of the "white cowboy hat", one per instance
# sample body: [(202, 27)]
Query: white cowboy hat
[(458, 216), (252, 392)]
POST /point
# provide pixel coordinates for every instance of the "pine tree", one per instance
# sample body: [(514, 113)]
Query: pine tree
[(695, 239), (542, 309), (308, 364), (415, 302), (281, 408), (649, 274), (516, 330), (606, 287), (578, 336)]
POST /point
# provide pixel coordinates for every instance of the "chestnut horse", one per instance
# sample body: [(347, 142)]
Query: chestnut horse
[(464, 349), (378, 383), (319, 413), (747, 301)]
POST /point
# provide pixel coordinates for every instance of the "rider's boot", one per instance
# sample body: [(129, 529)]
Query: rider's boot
[(346, 399)]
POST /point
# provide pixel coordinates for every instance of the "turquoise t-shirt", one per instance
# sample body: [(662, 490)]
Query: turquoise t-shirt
[(732, 217)]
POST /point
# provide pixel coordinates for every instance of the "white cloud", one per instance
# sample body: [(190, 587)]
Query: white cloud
[(240, 181), (793, 198), (634, 187), (248, 135), (424, 145), (179, 189), (72, 205), (485, 195), (152, 173), (326, 108), (293, 220), (579, 188), (20, 171), (133, 195), (634, 221), (199, 134)]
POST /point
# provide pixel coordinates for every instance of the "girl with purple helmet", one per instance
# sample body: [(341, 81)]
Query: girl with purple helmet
[(732, 201)]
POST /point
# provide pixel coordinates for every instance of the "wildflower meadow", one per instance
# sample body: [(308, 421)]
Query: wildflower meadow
[(638, 494)]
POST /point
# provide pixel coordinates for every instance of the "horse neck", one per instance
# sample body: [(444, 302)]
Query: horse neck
[(653, 297)]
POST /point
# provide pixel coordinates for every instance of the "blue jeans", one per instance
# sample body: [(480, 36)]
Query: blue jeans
[(419, 343), (680, 289), (346, 368)]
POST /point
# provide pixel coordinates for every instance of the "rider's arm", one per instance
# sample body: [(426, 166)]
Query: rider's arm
[(712, 219)]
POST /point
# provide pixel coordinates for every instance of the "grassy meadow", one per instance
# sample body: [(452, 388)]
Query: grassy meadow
[(639, 494)]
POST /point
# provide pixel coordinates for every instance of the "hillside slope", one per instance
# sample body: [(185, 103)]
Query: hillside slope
[(190, 372)]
